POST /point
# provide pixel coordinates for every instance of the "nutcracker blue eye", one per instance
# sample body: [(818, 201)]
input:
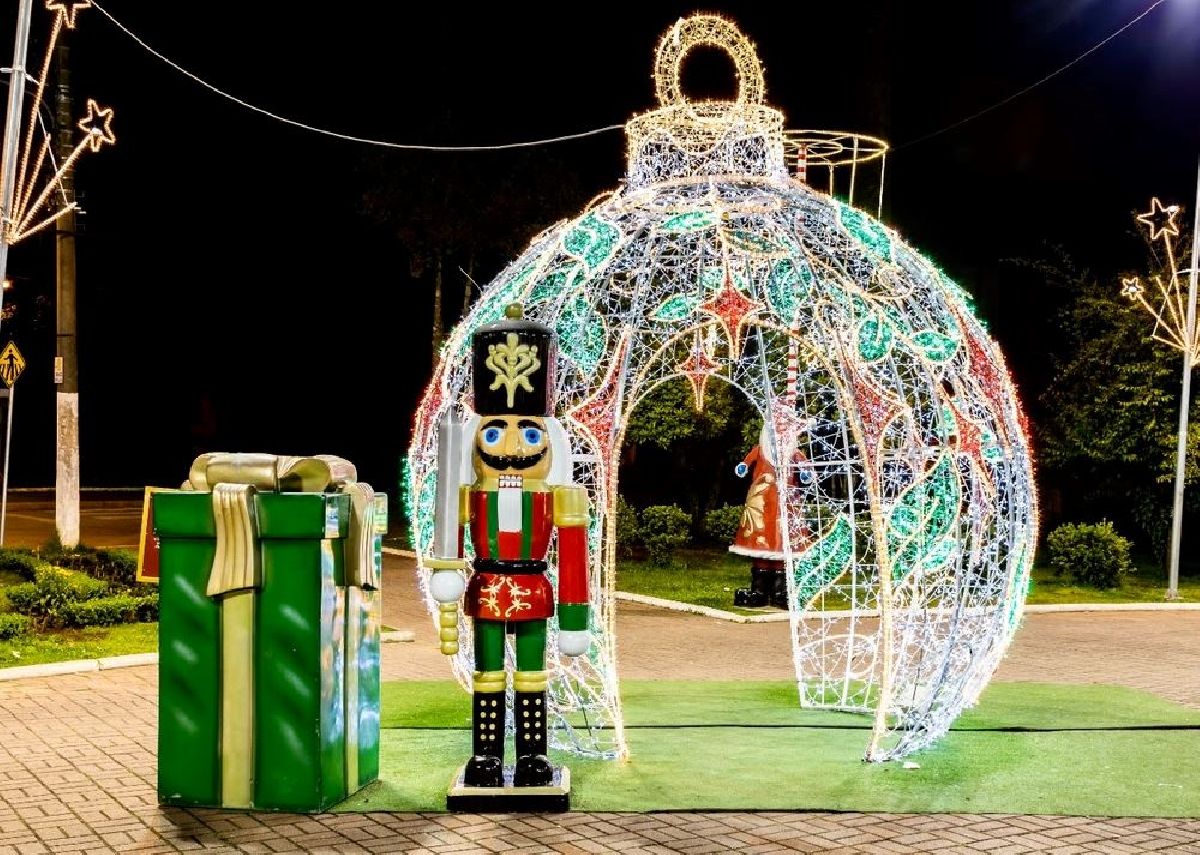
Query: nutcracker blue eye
[(492, 435), (532, 436)]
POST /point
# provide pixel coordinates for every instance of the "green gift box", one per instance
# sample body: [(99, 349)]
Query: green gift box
[(268, 646)]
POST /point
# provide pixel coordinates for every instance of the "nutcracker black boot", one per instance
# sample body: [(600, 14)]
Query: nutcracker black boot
[(759, 591), (533, 767), (486, 766)]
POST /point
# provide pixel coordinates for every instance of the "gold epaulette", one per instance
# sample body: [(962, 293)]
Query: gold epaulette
[(570, 505)]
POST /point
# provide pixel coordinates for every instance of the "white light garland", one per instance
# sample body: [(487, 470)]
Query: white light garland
[(32, 213), (914, 527)]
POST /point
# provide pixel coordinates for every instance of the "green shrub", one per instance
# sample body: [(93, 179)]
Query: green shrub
[(1089, 553), (117, 566), (109, 611), (721, 524), (51, 590), (14, 626), (629, 532), (664, 528), (20, 561)]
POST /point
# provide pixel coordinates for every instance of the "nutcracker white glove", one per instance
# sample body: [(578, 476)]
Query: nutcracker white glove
[(573, 642), (446, 586)]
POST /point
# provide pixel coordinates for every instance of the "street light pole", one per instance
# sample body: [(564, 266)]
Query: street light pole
[(1189, 354), (12, 128)]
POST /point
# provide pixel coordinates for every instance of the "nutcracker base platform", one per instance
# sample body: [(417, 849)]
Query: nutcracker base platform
[(554, 797)]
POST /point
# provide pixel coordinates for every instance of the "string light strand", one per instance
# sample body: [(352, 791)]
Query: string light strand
[(1035, 85), (335, 134)]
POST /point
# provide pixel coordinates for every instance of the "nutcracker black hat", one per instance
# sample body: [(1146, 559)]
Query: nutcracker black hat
[(513, 366)]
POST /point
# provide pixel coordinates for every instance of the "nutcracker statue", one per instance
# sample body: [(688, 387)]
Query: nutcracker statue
[(510, 488)]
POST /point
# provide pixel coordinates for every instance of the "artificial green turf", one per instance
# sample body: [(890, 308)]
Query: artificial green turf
[(1027, 748)]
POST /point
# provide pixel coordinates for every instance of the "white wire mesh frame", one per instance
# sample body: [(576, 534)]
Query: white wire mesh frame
[(836, 158), (933, 526)]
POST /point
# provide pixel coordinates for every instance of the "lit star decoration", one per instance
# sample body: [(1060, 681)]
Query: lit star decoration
[(1169, 306), (39, 197), (67, 10), (911, 487), (697, 368), (731, 308), (97, 135), (1160, 220)]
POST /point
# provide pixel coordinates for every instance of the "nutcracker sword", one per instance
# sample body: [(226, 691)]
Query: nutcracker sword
[(446, 584)]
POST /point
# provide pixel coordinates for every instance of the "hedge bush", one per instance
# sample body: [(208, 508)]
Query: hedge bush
[(629, 531), (20, 561), (1089, 553), (664, 528), (112, 565), (14, 626), (721, 524), (109, 611), (51, 590)]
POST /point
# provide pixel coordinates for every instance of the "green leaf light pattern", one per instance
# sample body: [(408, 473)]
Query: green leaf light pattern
[(866, 231), (581, 334), (935, 346), (691, 221), (875, 338), (592, 240), (920, 525), (821, 564), (789, 284), (676, 308)]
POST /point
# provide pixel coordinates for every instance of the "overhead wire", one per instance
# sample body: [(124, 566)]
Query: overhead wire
[(595, 131)]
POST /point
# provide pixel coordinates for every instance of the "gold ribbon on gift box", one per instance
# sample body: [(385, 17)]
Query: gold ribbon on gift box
[(236, 574)]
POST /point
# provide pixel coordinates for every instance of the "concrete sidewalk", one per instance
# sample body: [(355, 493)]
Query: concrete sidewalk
[(77, 756)]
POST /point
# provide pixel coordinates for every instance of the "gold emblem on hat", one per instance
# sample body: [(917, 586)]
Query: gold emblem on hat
[(512, 363)]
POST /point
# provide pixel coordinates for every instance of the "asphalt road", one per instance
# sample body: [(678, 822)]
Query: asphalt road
[(106, 519)]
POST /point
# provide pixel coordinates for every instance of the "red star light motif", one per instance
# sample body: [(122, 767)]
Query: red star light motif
[(68, 9), (697, 368), (1160, 220), (97, 135), (731, 308), (595, 415)]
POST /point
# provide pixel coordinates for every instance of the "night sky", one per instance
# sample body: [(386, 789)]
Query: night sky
[(234, 295)]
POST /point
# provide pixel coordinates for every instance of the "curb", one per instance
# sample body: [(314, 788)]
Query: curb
[(781, 616), (403, 553), (78, 666)]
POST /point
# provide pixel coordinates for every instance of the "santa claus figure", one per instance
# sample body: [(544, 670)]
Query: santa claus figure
[(760, 532)]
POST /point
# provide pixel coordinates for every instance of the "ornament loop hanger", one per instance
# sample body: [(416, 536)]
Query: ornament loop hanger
[(713, 31)]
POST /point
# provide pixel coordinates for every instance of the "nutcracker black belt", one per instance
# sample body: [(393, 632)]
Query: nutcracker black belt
[(491, 565)]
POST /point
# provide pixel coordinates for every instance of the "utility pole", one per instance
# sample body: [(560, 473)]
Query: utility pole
[(12, 127), (1185, 402), (66, 477)]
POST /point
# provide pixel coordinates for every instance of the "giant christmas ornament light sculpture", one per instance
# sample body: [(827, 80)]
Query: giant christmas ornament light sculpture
[(909, 547)]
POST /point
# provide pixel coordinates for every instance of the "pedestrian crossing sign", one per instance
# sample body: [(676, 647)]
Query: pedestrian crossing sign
[(12, 363)]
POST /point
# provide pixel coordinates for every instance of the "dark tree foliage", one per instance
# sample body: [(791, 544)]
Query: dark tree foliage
[(1106, 443), (674, 455)]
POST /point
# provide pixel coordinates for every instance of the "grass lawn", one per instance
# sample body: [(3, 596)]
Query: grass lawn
[(1026, 748), (63, 645), (709, 576)]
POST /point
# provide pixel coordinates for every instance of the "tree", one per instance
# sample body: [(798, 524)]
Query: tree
[(453, 211), (1108, 436), (672, 454)]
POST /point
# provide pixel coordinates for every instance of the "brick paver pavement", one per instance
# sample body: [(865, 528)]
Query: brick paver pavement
[(77, 758)]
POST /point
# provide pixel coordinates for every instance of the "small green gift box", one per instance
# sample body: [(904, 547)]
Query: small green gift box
[(268, 637)]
